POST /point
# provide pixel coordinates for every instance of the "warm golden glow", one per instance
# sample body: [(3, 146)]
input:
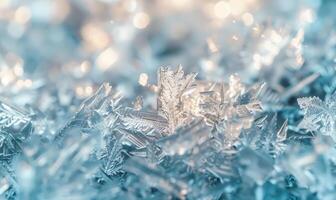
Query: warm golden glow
[(141, 20), (84, 91), (256, 61), (107, 58), (85, 67), (212, 45), (275, 37), (22, 15), (18, 69), (235, 38), (130, 5), (143, 79), (94, 36), (248, 19), (307, 16), (28, 83), (222, 9), (208, 65), (7, 77), (237, 7), (61, 10), (4, 3), (180, 4)]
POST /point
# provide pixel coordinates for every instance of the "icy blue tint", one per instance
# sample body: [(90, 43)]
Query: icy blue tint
[(211, 99)]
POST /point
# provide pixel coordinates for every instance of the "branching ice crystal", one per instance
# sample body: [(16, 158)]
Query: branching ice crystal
[(265, 136), (319, 115), (44, 174), (15, 127), (112, 155), (230, 108), (181, 99), (101, 112), (205, 140), (149, 123), (172, 85), (234, 132), (12, 118)]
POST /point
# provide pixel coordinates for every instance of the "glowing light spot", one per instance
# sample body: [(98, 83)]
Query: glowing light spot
[(85, 67), (208, 65), (28, 83), (297, 40), (84, 91), (17, 69), (237, 7), (107, 58), (94, 36), (180, 4), (212, 45), (131, 5), (20, 84), (248, 19), (61, 10), (88, 90), (307, 16), (275, 37), (80, 91), (235, 38), (222, 9), (141, 20), (7, 77), (4, 3), (22, 15), (143, 79)]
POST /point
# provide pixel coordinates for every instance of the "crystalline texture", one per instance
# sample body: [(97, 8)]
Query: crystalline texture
[(15, 127), (230, 108), (145, 122), (171, 87), (319, 115), (98, 112), (53, 172), (265, 136)]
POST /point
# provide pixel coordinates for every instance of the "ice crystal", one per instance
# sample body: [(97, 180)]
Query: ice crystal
[(172, 85), (232, 132), (112, 155), (144, 121), (43, 174), (98, 112), (230, 108), (204, 140), (6, 182), (312, 166), (264, 135), (15, 127), (319, 115)]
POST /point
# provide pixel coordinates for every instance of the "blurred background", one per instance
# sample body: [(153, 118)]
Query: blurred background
[(66, 48), (56, 53)]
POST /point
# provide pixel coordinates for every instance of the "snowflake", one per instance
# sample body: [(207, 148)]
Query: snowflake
[(15, 127), (57, 173), (265, 136), (172, 85), (100, 112), (319, 116), (229, 108), (8, 145)]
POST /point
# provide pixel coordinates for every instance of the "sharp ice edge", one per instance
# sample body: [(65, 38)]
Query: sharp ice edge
[(227, 144)]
